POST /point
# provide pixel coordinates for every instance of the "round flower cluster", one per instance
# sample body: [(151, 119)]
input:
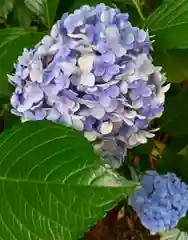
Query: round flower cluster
[(161, 202), (94, 73)]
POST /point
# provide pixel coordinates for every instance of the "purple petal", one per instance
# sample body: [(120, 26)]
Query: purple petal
[(109, 57), (89, 123), (63, 80), (141, 123), (141, 36), (98, 112), (134, 94), (87, 79), (40, 114), (32, 94), (113, 69), (146, 92), (28, 115), (53, 115), (113, 106), (99, 70), (14, 100), (113, 91), (106, 77), (129, 38), (102, 47), (104, 100)]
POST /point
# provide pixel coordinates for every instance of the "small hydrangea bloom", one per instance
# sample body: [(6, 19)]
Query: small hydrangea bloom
[(161, 202), (94, 73)]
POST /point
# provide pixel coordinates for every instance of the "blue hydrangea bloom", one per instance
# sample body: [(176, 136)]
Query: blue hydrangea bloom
[(94, 73), (161, 202)]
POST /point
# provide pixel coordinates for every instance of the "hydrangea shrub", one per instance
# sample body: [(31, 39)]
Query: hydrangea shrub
[(94, 72)]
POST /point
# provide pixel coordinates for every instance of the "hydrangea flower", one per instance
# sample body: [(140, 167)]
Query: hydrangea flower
[(161, 202), (94, 73)]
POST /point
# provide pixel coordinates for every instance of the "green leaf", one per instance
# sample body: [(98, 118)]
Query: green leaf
[(6, 7), (183, 224), (22, 15), (178, 143), (175, 117), (45, 9), (170, 22), (52, 183), (137, 4), (174, 234), (143, 148), (177, 164), (174, 63), (12, 42)]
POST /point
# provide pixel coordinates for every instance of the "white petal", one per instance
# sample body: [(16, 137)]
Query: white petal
[(77, 123), (91, 89), (66, 118), (88, 103), (106, 85), (68, 68), (147, 67), (87, 79), (132, 140), (76, 107), (110, 144), (83, 49), (86, 62), (80, 36), (55, 30), (154, 130), (128, 122), (117, 125), (166, 88), (124, 87), (140, 116), (98, 112), (47, 41), (54, 48), (106, 127), (137, 104), (160, 97), (36, 74), (130, 114), (148, 134), (75, 80), (91, 136), (141, 137)]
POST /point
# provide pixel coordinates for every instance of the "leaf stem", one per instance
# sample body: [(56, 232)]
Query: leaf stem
[(138, 9)]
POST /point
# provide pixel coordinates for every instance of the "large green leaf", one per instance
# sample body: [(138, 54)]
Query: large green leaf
[(175, 117), (174, 63), (52, 184), (45, 9), (170, 23), (6, 7), (173, 163), (174, 234), (12, 42), (22, 16), (183, 225)]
